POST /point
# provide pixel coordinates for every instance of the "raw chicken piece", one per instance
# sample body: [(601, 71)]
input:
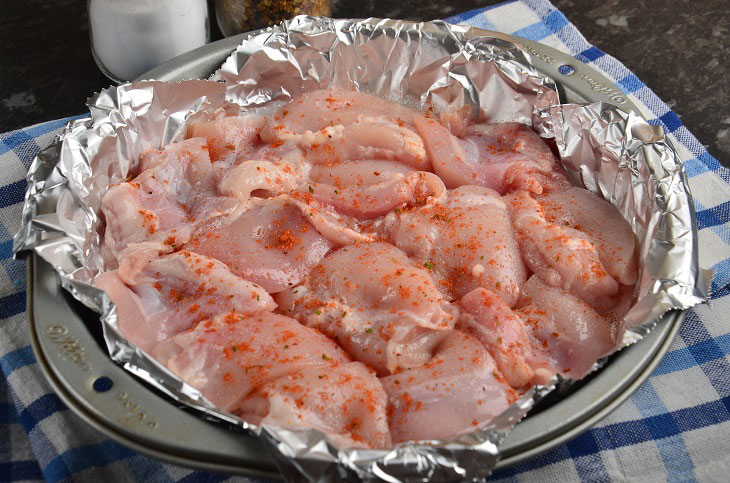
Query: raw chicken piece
[(347, 402), (162, 206), (336, 228), (316, 110), (228, 137), (231, 356), (173, 292), (458, 391), (574, 334), (250, 176), (287, 156), (381, 309), (242, 163), (271, 243), (264, 171), (601, 223), (561, 255), (358, 173), (335, 125), (517, 353), (385, 192), (502, 157), (466, 242), (367, 138)]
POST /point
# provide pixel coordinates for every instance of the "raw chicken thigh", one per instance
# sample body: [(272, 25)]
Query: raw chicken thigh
[(458, 390), (252, 175), (335, 227), (551, 331), (351, 265), (276, 361), (502, 157), (316, 110), (519, 355), (601, 223), (161, 207), (465, 243), (175, 291), (365, 195), (242, 163), (271, 243), (561, 255), (383, 310), (345, 401), (229, 137), (574, 334), (335, 125), (229, 356), (574, 240)]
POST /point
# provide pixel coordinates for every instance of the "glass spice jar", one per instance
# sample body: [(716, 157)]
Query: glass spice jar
[(129, 37), (236, 16)]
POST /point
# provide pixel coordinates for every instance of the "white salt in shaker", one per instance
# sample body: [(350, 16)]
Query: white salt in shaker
[(129, 37)]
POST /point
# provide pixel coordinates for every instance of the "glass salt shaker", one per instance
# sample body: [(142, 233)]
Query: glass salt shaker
[(236, 16), (129, 37)]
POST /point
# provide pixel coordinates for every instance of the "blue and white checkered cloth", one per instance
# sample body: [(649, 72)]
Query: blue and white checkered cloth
[(675, 427)]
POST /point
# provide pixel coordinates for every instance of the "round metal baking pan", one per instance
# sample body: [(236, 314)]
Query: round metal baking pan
[(70, 350)]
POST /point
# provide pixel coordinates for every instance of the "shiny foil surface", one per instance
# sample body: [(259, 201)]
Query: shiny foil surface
[(613, 153)]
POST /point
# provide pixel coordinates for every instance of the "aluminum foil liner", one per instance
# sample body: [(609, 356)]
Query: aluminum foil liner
[(448, 67), (631, 164)]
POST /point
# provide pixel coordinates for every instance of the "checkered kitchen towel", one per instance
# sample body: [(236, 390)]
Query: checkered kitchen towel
[(675, 427)]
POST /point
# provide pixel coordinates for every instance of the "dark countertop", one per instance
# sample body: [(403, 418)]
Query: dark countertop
[(679, 49)]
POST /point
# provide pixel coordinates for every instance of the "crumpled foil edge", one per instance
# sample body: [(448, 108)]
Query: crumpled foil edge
[(625, 150), (130, 118)]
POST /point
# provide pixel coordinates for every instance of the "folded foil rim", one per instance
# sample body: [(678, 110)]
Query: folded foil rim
[(613, 153)]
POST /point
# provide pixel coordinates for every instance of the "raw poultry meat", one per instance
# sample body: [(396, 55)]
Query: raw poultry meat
[(364, 195), (383, 310), (345, 401), (335, 125), (175, 291), (364, 139), (319, 109), (358, 173), (337, 228), (458, 390), (242, 163), (339, 197), (271, 243), (465, 242), (602, 225), (501, 156), (230, 355), (560, 254), (252, 175), (574, 334), (550, 331), (517, 352), (277, 360), (353, 265), (160, 207), (229, 137)]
